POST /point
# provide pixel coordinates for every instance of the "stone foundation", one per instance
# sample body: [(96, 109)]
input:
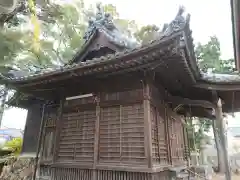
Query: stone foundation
[(21, 168)]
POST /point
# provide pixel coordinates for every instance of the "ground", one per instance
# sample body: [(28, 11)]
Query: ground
[(222, 177), (18, 169)]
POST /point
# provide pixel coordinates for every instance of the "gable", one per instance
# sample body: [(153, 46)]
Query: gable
[(101, 38), (98, 45)]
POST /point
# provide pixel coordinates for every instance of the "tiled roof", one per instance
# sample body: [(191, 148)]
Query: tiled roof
[(16, 76), (174, 29), (103, 23)]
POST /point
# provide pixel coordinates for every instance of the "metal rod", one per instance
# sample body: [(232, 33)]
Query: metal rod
[(39, 141)]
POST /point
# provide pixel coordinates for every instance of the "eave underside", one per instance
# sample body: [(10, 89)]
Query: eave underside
[(173, 74), (169, 62)]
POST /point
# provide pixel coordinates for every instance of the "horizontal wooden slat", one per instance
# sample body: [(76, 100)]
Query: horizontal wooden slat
[(77, 136)]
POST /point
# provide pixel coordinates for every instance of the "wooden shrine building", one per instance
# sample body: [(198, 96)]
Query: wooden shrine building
[(117, 109)]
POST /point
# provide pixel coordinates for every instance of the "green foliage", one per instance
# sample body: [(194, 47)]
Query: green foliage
[(146, 33), (60, 38), (209, 57), (62, 29), (15, 145), (203, 126), (197, 129)]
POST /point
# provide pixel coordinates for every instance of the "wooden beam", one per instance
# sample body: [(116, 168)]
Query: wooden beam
[(192, 102), (219, 87)]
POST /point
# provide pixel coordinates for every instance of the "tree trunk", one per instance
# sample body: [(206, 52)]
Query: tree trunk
[(3, 102), (220, 167)]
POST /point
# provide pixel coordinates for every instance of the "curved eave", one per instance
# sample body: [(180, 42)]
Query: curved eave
[(20, 100), (93, 65), (222, 82)]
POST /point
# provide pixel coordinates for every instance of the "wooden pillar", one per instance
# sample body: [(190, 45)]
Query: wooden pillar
[(58, 130), (96, 138), (147, 125), (31, 131), (186, 143), (168, 141), (39, 142), (222, 135)]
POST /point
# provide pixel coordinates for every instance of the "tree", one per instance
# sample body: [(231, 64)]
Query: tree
[(203, 126), (17, 43), (147, 33), (61, 36), (209, 59)]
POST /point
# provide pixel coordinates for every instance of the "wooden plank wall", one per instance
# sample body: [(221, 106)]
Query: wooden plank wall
[(122, 134), (49, 133), (167, 131), (101, 137), (31, 131), (48, 141)]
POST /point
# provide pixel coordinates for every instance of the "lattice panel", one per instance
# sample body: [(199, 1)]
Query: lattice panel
[(179, 140), (132, 133), (176, 140), (122, 134), (109, 129), (155, 142), (170, 134), (173, 140), (161, 120), (51, 117), (77, 136), (48, 144), (159, 146)]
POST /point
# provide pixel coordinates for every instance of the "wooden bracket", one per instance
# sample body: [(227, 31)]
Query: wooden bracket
[(185, 101)]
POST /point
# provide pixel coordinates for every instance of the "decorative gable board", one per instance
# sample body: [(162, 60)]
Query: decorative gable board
[(98, 45)]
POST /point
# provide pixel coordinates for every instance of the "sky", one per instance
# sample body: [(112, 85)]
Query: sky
[(208, 18)]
